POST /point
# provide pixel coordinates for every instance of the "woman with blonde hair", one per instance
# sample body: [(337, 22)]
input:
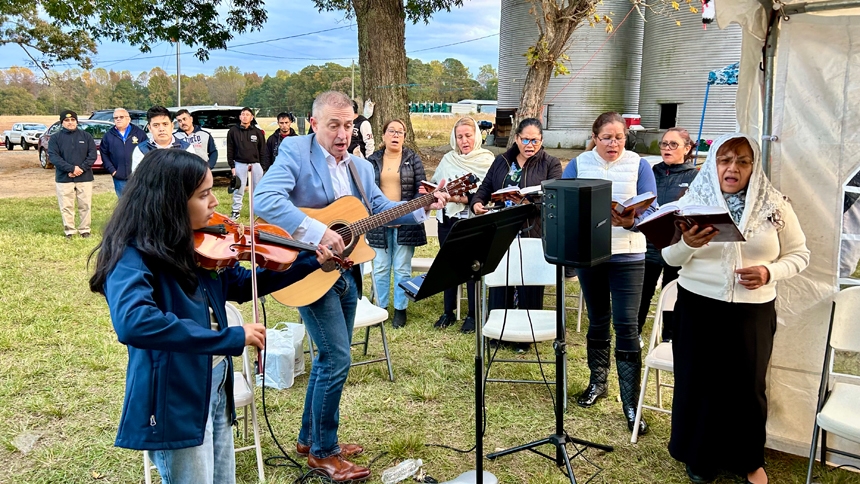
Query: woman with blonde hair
[(466, 156)]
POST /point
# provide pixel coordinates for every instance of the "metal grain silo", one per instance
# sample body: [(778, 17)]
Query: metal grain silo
[(607, 82), (675, 65)]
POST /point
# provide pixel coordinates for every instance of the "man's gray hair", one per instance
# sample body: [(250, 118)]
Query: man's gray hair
[(335, 99)]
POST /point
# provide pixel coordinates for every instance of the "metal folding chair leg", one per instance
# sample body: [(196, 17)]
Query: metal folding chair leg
[(634, 437)]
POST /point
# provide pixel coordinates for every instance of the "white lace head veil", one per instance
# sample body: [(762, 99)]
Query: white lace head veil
[(762, 200)]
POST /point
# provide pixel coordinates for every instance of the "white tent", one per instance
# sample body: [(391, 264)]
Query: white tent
[(805, 105)]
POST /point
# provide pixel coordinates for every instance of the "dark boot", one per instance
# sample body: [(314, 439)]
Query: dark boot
[(399, 320), (629, 365), (598, 363)]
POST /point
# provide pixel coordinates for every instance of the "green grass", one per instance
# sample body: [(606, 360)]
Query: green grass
[(64, 373)]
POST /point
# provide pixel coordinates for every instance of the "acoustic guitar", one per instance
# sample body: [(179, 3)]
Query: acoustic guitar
[(348, 217)]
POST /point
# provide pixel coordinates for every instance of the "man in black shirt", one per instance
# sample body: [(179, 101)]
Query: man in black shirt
[(362, 134), (72, 151), (246, 148)]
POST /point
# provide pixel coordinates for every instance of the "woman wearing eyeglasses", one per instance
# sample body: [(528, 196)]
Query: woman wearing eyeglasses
[(725, 315), (613, 289), (673, 175), (525, 164), (399, 173)]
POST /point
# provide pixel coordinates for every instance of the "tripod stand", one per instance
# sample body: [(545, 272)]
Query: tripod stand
[(559, 439), (474, 248)]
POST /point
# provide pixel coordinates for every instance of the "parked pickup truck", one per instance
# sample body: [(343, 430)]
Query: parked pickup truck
[(24, 134)]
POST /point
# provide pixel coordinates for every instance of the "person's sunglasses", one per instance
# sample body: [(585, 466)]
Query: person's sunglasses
[(527, 141)]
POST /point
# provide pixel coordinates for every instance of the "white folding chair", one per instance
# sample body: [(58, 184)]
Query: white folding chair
[(243, 397), (368, 315), (838, 398), (659, 357), (526, 267)]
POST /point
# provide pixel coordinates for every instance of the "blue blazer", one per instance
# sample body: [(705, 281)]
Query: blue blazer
[(300, 177), (170, 344)]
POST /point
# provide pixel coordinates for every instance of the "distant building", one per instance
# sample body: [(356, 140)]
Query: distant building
[(472, 106)]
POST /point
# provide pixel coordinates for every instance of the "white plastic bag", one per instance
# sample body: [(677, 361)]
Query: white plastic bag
[(280, 357)]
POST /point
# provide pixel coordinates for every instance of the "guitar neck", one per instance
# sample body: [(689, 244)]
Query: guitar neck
[(382, 218)]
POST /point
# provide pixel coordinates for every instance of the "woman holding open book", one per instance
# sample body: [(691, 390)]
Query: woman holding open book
[(525, 164), (725, 316), (613, 289), (466, 156), (673, 176)]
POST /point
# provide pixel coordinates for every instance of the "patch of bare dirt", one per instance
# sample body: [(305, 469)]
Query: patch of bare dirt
[(22, 176)]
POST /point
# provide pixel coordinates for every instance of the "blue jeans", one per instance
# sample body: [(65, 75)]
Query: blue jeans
[(119, 186), (397, 258), (329, 322), (621, 284), (214, 461)]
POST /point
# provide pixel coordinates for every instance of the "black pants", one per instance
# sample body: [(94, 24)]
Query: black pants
[(612, 291), (649, 286), (450, 294), (719, 409)]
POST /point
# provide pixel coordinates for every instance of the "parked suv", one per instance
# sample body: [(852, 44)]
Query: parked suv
[(217, 120), (137, 117)]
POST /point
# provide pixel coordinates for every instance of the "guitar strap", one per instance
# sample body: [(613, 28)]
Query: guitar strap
[(357, 179)]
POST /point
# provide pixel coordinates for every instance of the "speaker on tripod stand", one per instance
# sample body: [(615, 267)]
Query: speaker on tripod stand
[(577, 232)]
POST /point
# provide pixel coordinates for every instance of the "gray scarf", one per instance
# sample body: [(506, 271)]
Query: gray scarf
[(736, 203)]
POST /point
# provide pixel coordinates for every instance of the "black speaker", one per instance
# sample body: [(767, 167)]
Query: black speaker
[(577, 228)]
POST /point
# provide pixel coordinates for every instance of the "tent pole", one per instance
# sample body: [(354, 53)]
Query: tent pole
[(808, 7), (767, 109), (702, 121)]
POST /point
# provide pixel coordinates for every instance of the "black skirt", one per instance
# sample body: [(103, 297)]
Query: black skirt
[(719, 410)]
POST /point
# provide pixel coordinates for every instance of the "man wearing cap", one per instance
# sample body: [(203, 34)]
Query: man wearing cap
[(72, 152), (117, 146)]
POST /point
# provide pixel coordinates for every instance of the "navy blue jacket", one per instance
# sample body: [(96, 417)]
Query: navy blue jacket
[(116, 153), (672, 183), (170, 344)]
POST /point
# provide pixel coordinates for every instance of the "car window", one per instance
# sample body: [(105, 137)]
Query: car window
[(139, 120), (215, 119), (34, 126), (54, 128), (102, 115), (96, 130)]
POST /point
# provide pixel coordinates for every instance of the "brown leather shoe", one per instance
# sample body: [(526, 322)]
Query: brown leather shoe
[(338, 468), (346, 450)]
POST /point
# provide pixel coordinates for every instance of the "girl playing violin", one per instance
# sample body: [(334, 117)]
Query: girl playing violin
[(170, 315)]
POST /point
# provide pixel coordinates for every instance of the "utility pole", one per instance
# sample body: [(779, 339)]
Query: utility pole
[(178, 78), (353, 78)]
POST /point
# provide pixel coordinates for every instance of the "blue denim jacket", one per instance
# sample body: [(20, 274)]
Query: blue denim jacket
[(170, 344)]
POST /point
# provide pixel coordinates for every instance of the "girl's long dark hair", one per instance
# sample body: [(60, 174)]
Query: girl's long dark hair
[(152, 216)]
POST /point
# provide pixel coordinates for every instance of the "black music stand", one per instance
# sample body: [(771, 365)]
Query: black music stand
[(474, 248)]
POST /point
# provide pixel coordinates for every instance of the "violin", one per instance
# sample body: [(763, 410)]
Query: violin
[(223, 243)]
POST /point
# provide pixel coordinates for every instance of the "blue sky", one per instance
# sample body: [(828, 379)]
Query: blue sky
[(476, 19)]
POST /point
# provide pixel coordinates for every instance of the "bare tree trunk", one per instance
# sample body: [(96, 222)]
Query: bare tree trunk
[(382, 59)]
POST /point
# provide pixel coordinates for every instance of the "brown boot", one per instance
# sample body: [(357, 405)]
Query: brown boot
[(339, 469), (346, 450)]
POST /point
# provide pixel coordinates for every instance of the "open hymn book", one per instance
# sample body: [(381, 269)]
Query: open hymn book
[(637, 204), (662, 228), (514, 193)]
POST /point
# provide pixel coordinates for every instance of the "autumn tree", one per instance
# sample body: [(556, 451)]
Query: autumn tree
[(381, 28), (50, 31), (225, 85), (160, 87), (556, 21)]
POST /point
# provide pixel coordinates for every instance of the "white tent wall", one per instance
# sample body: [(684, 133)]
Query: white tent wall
[(816, 111)]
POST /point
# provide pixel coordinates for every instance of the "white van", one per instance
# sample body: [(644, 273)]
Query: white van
[(217, 120)]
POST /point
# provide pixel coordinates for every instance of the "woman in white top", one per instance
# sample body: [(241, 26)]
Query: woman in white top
[(466, 156), (725, 314)]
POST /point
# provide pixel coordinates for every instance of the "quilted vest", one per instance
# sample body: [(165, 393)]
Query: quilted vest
[(624, 174)]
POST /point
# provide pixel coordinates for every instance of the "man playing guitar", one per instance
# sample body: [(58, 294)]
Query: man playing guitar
[(312, 172)]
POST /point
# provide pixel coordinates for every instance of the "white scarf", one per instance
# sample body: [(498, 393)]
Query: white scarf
[(761, 203), (455, 164)]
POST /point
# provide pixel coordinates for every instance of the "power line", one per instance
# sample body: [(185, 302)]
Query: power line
[(455, 43)]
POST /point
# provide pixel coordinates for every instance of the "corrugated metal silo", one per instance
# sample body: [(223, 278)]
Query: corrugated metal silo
[(610, 81), (675, 65)]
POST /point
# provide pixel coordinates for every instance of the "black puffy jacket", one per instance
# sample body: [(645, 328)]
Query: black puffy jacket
[(411, 176), (672, 183)]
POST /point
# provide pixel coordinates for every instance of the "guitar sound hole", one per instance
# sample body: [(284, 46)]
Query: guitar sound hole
[(344, 232)]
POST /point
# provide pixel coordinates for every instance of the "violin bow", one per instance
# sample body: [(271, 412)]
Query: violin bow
[(254, 295)]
